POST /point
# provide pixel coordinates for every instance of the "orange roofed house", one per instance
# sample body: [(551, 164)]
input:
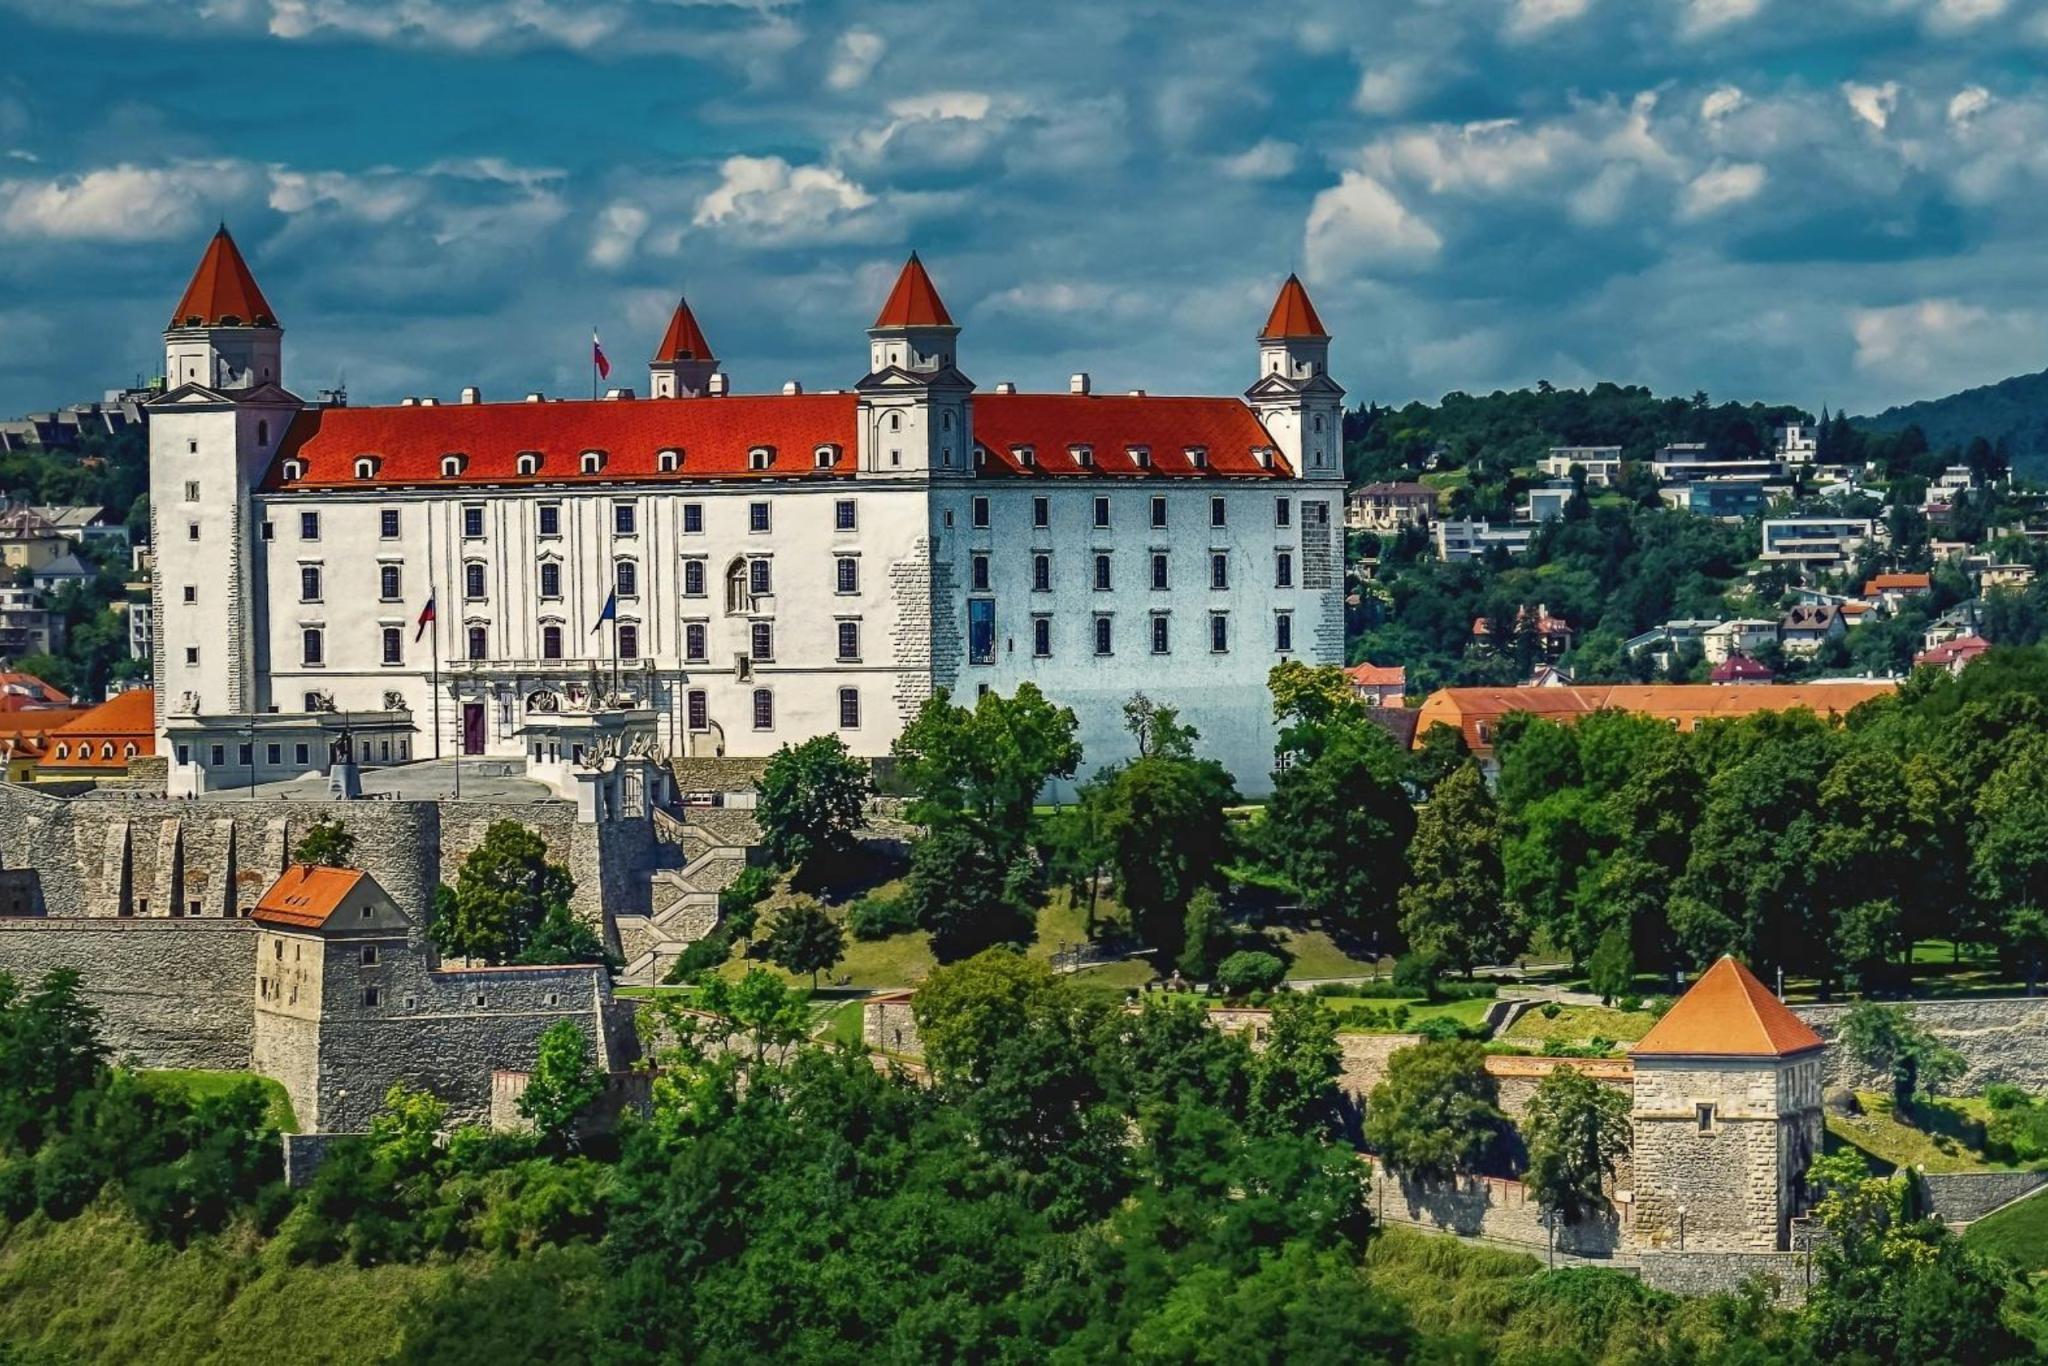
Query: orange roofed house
[(348, 1001), (102, 742)]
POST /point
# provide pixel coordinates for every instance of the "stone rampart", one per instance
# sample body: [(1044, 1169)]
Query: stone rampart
[(1724, 1273), (171, 993), (1962, 1197), (1492, 1208), (2003, 1040), (887, 1025)]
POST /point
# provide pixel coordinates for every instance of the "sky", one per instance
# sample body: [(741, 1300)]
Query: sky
[(1820, 202)]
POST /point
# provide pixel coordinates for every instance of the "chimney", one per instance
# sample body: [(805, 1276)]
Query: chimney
[(536, 397), (472, 394), (1006, 387), (717, 385), (1078, 384), (791, 388), (408, 402)]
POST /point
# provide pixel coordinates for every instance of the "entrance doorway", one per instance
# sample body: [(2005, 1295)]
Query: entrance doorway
[(472, 728)]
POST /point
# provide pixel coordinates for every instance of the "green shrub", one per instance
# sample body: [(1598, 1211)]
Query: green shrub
[(2001, 1096), (1417, 971), (743, 893), (1551, 1010), (1630, 1002), (1440, 1029), (879, 917), (704, 956), (1398, 1016), (1242, 973)]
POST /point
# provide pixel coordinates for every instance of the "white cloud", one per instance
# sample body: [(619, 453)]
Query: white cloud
[(854, 57), (1873, 104), (1390, 88), (1527, 18), (1359, 223), (123, 203), (1969, 100), (619, 230), (1721, 187), (1951, 15), (941, 130), (1601, 200), (769, 202), (1936, 345), (1703, 17), (1720, 102), (1268, 159)]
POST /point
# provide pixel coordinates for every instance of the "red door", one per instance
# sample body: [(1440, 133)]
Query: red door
[(472, 728)]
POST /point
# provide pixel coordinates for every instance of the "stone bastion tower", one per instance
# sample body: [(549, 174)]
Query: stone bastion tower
[(1727, 1117)]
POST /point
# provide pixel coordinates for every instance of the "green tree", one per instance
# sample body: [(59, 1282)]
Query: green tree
[(564, 1084), (1889, 1039), (326, 844), (758, 1011), (1243, 973), (1437, 1113), (564, 937), (985, 767), (967, 898), (502, 892), (964, 1011), (1292, 1080), (1454, 903), (802, 937), (50, 1055), (1576, 1130), (1326, 811), (1611, 971), (1161, 821), (811, 800), (1208, 936)]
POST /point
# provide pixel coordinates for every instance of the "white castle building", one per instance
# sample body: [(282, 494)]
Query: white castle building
[(782, 565)]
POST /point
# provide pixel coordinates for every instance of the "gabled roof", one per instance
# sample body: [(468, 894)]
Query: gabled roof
[(914, 302), (131, 713), (1964, 648), (1293, 315), (684, 340), (1728, 1013), (304, 895), (223, 293), (26, 692), (1901, 583), (1378, 675), (1740, 667), (1225, 431)]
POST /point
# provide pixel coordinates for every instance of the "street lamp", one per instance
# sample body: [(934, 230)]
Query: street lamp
[(1681, 1228), (248, 735)]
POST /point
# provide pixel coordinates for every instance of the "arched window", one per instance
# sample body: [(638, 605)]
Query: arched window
[(312, 645), (760, 457), (827, 456), (529, 463), (106, 749), (128, 751), (294, 469), (693, 578), (764, 709), (63, 750), (593, 462), (736, 597), (479, 643), (550, 642), (669, 461), (452, 465)]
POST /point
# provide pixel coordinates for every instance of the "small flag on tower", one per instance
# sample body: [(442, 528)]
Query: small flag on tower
[(610, 612), (604, 367), (426, 617)]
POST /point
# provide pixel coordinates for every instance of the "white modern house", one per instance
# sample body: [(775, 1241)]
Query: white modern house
[(704, 573)]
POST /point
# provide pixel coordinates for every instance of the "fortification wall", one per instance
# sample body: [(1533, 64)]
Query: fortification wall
[(1489, 1207), (171, 993), (1962, 1197), (2003, 1040), (1724, 1273), (887, 1025)]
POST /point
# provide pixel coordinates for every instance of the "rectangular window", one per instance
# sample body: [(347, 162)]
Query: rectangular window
[(1102, 512), (369, 955), (1041, 512), (979, 573), (479, 643), (1041, 573), (1219, 632), (761, 641), (1219, 570), (550, 519), (273, 755), (371, 995), (472, 520), (764, 709), (1041, 637), (760, 577), (1283, 570), (191, 490), (192, 654), (191, 531), (693, 642), (245, 755), (300, 754), (626, 578), (550, 642), (1158, 510), (623, 518), (849, 641), (1283, 512), (473, 582), (1703, 1113), (1160, 639), (550, 579), (191, 592), (390, 586), (693, 519), (1218, 512), (981, 631), (269, 531), (309, 526), (843, 518), (693, 578), (757, 517), (387, 524), (849, 709), (699, 708), (629, 640), (1102, 635), (1102, 574), (848, 570), (220, 756), (309, 583), (312, 646), (1283, 632), (394, 645), (981, 512)]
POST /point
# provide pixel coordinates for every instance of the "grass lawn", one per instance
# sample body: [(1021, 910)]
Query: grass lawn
[(841, 1019), (1576, 1024), (199, 1085), (2017, 1232), (1312, 954), (1466, 1013), (1943, 1136), (1131, 972)]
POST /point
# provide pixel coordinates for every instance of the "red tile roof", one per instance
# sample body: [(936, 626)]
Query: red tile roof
[(223, 293), (26, 692), (1685, 705), (914, 302), (1293, 315), (1903, 583), (1740, 667), (1728, 1013), (1963, 649), (1378, 675), (100, 738), (304, 895), (715, 436), (684, 340)]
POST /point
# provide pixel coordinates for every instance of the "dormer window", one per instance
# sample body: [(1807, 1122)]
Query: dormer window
[(668, 461), (529, 464), (1141, 456), (293, 469), (1198, 457), (593, 462), (1084, 456), (1025, 456), (760, 457), (1264, 455), (366, 467), (827, 455), (453, 464)]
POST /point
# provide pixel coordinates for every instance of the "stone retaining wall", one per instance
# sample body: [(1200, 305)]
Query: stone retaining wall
[(2003, 1040), (1961, 1197), (1724, 1273), (1492, 1208)]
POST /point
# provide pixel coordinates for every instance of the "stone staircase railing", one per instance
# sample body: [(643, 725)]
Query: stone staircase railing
[(684, 902)]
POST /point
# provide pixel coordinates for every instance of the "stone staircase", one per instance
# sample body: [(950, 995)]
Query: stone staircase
[(684, 896)]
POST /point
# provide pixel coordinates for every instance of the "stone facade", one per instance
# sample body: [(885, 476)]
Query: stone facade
[(2003, 1040), (1788, 1274), (887, 1025), (1489, 1207)]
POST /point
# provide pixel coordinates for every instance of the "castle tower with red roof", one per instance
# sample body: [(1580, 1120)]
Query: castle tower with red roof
[(1727, 1117), (683, 364), (1294, 395), (222, 334), (915, 405)]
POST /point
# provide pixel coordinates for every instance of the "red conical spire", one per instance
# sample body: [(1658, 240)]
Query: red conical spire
[(223, 293), (1293, 315), (684, 340), (914, 302)]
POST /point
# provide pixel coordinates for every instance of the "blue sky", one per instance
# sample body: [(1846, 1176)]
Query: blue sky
[(1814, 201)]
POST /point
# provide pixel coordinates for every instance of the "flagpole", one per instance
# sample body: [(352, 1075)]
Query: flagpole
[(434, 679), (593, 364)]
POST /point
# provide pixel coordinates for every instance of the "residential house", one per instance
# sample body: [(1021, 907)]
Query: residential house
[(66, 568), (27, 626), (25, 738), (28, 540), (1798, 443), (1549, 676), (1954, 624), (1953, 655), (83, 522), (1546, 504), (1744, 636), (1684, 462), (1389, 507), (1803, 630), (102, 742), (1891, 591), (1379, 685), (1740, 668), (1729, 497), (1602, 464), (26, 692), (1816, 540), (1553, 634), (1471, 540), (2015, 576)]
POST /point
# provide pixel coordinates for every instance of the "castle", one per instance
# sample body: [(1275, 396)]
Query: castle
[(703, 574)]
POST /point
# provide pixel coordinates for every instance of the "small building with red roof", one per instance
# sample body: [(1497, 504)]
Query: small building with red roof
[(102, 741), (1740, 668), (1379, 685), (1953, 655)]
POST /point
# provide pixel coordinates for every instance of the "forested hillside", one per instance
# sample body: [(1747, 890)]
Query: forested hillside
[(2012, 412)]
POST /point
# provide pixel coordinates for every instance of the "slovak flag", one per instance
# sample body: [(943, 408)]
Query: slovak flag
[(426, 619), (610, 612), (604, 367)]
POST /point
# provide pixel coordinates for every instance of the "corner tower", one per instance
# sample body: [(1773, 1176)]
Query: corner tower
[(1727, 1116), (222, 333), (915, 405), (683, 364), (1294, 396)]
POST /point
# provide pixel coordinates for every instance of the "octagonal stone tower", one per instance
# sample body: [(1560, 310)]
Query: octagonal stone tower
[(1727, 1117)]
